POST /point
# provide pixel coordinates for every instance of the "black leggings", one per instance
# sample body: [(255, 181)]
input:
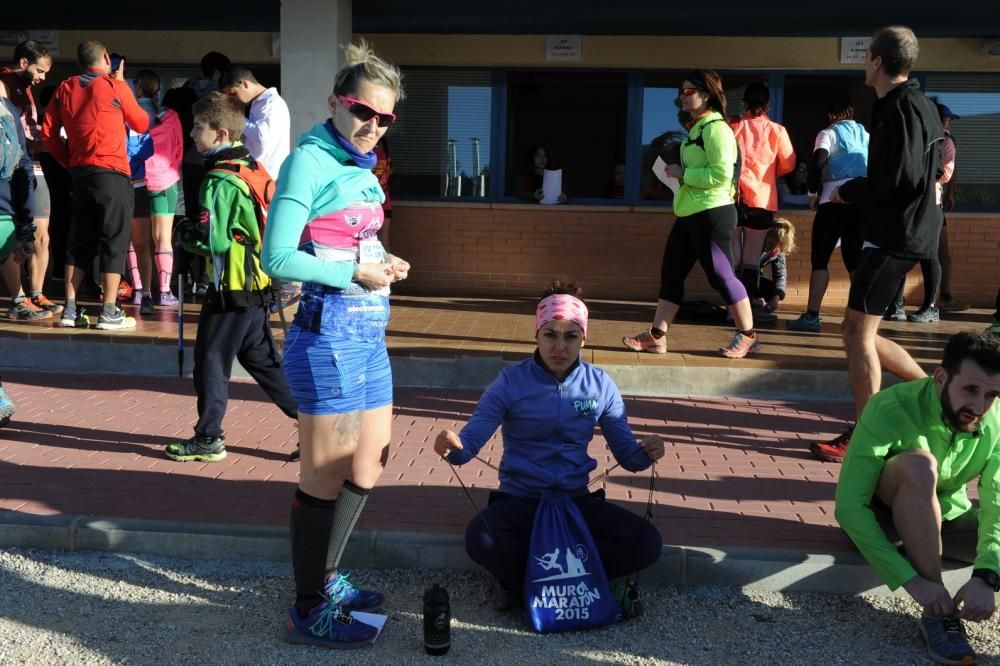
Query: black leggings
[(704, 238), (931, 270), (835, 221)]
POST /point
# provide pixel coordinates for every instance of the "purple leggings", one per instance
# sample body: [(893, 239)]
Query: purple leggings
[(704, 238)]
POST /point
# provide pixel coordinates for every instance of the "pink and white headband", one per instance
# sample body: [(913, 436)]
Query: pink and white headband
[(561, 306)]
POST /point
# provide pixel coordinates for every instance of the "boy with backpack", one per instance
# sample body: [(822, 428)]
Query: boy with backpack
[(234, 317)]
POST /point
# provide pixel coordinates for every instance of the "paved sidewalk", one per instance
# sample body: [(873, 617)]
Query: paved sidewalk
[(737, 472)]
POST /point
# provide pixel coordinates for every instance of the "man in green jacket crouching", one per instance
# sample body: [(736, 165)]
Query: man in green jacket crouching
[(916, 447)]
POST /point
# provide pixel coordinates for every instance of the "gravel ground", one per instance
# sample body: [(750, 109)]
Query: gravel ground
[(99, 608)]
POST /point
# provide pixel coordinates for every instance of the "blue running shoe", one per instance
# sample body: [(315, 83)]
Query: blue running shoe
[(341, 591), (327, 626), (946, 640), (6, 408)]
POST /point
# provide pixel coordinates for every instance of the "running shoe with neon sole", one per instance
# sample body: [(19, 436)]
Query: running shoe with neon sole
[(42, 301), (26, 310), (339, 590), (73, 319), (645, 342), (119, 321), (835, 449), (946, 640), (6, 408), (805, 322), (197, 449), (741, 346), (328, 626)]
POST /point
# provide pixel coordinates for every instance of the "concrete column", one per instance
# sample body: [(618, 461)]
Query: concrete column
[(312, 32)]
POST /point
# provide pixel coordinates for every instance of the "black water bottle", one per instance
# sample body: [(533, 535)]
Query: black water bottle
[(437, 620)]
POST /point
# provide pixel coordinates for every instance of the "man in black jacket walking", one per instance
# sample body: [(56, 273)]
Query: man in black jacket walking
[(901, 219)]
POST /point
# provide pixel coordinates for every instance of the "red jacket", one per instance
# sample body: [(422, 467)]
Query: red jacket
[(767, 156), (94, 109)]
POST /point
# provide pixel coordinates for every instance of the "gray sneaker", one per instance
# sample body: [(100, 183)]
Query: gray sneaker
[(119, 321), (197, 449), (74, 319), (805, 322), (894, 314), (924, 316), (946, 640)]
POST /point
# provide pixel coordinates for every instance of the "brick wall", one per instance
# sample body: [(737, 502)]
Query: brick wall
[(512, 249)]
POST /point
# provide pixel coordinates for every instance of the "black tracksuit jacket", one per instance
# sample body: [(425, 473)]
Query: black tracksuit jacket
[(905, 161)]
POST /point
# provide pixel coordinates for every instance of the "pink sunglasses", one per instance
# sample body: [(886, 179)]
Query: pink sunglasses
[(364, 113)]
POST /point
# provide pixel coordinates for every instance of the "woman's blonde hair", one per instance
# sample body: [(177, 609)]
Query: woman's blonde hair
[(785, 232), (364, 65)]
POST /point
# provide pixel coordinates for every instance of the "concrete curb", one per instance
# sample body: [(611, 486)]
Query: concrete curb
[(462, 372), (758, 569)]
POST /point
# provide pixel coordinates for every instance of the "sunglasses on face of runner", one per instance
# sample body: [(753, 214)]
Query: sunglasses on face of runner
[(689, 92), (364, 113)]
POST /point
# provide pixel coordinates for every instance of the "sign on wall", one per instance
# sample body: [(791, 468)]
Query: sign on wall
[(563, 47), (853, 49)]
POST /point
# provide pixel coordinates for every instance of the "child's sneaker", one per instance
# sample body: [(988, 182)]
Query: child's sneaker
[(43, 302), (805, 322), (6, 408), (327, 626), (73, 319), (119, 321), (26, 310), (136, 297), (341, 591), (146, 305), (168, 298), (741, 346), (197, 449)]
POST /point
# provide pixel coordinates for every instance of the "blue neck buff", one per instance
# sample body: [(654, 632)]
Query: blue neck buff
[(363, 160)]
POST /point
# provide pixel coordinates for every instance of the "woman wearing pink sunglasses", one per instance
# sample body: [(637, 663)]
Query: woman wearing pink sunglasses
[(322, 231)]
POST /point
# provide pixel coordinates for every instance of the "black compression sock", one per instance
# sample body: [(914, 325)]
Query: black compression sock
[(312, 523)]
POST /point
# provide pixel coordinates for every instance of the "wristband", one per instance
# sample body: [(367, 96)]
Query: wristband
[(992, 578)]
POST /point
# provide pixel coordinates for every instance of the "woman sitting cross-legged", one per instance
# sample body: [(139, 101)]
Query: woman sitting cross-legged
[(548, 407)]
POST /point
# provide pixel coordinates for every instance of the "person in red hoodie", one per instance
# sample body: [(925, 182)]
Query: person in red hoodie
[(767, 155), (93, 108)]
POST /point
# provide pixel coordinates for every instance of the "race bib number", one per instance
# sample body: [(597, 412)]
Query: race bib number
[(370, 251)]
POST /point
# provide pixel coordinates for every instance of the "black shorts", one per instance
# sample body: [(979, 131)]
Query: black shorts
[(875, 281), (959, 537), (101, 225), (836, 221), (141, 207), (754, 218)]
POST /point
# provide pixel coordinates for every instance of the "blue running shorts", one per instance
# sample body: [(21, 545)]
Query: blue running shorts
[(333, 375)]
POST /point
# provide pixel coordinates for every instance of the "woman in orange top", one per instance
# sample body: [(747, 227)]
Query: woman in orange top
[(767, 155)]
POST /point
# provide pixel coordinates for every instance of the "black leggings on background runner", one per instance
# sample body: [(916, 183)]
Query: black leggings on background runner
[(704, 238), (833, 222)]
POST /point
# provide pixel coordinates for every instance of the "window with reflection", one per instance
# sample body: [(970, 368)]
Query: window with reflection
[(976, 132), (440, 146)]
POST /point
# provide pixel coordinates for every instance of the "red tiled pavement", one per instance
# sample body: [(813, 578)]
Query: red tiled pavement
[(737, 472)]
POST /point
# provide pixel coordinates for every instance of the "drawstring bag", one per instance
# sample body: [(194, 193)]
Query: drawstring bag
[(565, 587)]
